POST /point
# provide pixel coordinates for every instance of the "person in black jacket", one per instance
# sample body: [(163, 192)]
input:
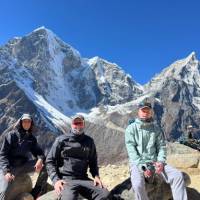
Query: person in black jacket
[(15, 153), (68, 161)]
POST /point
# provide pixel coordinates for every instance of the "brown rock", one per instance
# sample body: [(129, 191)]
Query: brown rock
[(21, 184), (25, 196), (184, 160)]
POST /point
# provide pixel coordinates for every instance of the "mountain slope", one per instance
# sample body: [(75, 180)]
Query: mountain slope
[(43, 75)]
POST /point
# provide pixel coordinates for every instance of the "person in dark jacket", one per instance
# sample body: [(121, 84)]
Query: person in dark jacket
[(68, 161), (15, 152)]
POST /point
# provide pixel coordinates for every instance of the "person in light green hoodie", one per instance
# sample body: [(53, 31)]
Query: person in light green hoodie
[(146, 149)]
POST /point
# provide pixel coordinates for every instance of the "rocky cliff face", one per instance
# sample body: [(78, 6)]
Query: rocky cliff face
[(43, 75), (177, 90)]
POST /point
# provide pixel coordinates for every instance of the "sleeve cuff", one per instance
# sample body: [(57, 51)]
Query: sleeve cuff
[(95, 174), (42, 157), (54, 180), (5, 171)]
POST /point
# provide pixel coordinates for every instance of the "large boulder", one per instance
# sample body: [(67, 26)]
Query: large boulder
[(21, 184), (49, 196), (25, 196), (181, 156), (156, 190)]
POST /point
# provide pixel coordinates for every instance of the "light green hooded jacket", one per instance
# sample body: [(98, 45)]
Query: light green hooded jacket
[(145, 143)]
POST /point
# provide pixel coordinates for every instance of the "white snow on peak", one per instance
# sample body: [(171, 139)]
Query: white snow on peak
[(99, 68), (24, 80), (53, 37), (98, 115), (183, 70), (97, 59), (41, 28), (101, 65), (17, 38), (56, 55), (60, 94)]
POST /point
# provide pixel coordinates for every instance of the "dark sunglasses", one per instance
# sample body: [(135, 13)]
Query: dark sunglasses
[(78, 123)]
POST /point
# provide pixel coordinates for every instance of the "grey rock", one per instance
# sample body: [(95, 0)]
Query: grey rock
[(25, 196), (49, 196), (156, 190), (21, 184)]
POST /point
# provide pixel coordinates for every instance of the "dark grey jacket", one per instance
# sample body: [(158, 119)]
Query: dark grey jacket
[(70, 157), (16, 148)]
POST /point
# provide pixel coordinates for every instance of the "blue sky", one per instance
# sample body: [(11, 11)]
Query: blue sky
[(141, 36)]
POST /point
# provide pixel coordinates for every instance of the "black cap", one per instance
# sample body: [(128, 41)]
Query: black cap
[(78, 117), (144, 104)]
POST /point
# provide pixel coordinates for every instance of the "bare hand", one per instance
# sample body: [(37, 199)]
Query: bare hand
[(59, 186), (38, 166), (98, 182), (159, 167), (147, 173), (9, 177)]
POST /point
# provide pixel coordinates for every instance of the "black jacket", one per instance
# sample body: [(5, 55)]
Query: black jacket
[(16, 148), (70, 157)]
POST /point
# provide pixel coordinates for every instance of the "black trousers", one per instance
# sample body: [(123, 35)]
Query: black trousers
[(85, 188)]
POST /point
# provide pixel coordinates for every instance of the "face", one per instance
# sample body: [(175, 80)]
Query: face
[(78, 124), (26, 124), (145, 113)]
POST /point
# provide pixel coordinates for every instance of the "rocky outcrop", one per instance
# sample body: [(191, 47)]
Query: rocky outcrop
[(123, 191), (181, 156), (177, 90), (25, 196), (156, 190), (21, 184)]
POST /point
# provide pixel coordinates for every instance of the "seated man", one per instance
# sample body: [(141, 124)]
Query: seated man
[(14, 153), (68, 162), (147, 155)]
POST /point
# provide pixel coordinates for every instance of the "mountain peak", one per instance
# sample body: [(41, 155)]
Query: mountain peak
[(55, 45), (185, 69), (191, 57), (42, 28)]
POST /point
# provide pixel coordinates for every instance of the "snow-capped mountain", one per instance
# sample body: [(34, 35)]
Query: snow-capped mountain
[(178, 89), (57, 82), (66, 81), (186, 70), (43, 75)]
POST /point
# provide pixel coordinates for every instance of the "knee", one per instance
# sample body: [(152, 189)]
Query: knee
[(179, 176), (3, 186), (68, 195), (105, 194)]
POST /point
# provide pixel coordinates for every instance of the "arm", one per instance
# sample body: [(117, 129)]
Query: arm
[(52, 161), (4, 162), (131, 145), (93, 164), (37, 151), (161, 147)]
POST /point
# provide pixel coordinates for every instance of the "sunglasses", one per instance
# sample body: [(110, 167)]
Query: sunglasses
[(78, 123)]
